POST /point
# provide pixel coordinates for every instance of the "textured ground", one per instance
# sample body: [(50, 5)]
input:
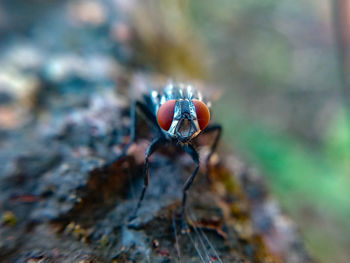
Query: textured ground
[(58, 204)]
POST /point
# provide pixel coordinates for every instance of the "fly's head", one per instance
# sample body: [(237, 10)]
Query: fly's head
[(183, 119)]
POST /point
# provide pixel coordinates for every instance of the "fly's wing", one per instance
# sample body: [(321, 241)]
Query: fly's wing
[(210, 92), (148, 88), (139, 86), (140, 89)]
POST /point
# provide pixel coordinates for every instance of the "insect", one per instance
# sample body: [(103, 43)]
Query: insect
[(180, 113)]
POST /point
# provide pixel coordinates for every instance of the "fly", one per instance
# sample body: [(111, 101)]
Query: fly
[(180, 113)]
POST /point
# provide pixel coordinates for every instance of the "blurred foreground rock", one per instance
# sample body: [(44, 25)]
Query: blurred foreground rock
[(59, 205)]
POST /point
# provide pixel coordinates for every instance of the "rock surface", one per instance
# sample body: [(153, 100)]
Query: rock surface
[(61, 206)]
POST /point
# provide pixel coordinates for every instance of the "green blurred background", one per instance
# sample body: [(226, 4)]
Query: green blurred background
[(283, 107)]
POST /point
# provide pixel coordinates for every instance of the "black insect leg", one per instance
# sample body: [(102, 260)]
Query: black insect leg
[(210, 129), (151, 120), (155, 144), (195, 157)]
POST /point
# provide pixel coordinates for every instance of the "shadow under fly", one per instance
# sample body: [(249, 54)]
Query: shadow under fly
[(179, 113)]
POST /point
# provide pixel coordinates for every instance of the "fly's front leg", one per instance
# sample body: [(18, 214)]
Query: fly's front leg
[(211, 129), (151, 120), (155, 144), (195, 157)]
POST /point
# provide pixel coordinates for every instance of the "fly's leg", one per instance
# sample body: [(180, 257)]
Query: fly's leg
[(155, 144), (210, 129), (151, 120), (195, 157)]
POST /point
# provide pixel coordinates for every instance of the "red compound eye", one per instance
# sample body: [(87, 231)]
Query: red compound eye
[(165, 114), (203, 113)]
